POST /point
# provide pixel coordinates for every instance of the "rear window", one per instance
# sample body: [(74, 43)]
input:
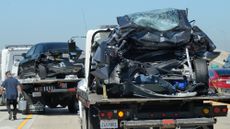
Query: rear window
[(223, 72), (56, 46)]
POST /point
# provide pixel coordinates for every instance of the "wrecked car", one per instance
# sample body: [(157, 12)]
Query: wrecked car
[(157, 53), (52, 60)]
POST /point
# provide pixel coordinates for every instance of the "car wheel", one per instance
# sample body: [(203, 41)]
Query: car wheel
[(42, 71), (201, 71), (201, 76)]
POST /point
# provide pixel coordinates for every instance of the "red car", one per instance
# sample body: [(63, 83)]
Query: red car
[(219, 79)]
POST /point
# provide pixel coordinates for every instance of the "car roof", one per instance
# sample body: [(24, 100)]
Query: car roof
[(51, 43)]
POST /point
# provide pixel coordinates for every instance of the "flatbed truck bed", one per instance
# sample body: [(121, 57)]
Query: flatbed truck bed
[(93, 98), (38, 81)]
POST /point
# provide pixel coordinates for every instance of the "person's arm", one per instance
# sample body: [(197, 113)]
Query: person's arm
[(19, 89), (1, 90)]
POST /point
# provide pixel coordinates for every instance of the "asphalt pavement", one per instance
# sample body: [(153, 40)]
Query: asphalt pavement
[(58, 118)]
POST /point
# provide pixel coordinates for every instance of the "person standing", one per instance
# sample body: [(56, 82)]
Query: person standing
[(12, 87)]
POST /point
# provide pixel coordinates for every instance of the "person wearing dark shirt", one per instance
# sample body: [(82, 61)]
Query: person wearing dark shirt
[(12, 87)]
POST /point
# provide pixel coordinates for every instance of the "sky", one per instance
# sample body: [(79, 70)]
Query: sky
[(33, 21)]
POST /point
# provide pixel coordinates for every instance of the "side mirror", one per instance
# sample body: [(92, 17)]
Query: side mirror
[(24, 55)]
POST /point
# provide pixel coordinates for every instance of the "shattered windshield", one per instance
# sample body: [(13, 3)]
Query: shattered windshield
[(162, 20)]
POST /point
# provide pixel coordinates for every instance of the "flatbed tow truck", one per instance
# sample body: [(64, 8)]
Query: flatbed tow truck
[(98, 111), (50, 92)]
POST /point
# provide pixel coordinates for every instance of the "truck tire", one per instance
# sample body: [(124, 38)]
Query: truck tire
[(92, 120), (73, 108), (201, 71), (42, 72)]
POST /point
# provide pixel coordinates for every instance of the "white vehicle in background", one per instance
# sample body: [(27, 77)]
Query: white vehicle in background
[(11, 55)]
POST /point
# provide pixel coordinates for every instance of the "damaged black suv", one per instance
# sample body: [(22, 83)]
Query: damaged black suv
[(52, 59), (153, 54)]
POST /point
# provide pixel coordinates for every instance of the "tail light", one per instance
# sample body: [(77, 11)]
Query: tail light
[(102, 114), (220, 110), (106, 115), (112, 114), (216, 110), (109, 115), (121, 114), (206, 111), (225, 110)]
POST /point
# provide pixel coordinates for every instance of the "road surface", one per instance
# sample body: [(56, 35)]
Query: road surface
[(52, 119), (61, 119)]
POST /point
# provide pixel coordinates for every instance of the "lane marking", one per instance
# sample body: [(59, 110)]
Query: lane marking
[(25, 121)]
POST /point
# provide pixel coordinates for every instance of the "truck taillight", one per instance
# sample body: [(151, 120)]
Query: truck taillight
[(106, 115), (102, 114), (220, 110), (109, 115), (121, 114), (225, 110), (216, 110), (206, 111)]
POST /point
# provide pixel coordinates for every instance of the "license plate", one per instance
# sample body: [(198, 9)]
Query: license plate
[(108, 124), (36, 94), (228, 82)]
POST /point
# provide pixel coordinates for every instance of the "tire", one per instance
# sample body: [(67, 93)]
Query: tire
[(42, 72), (201, 76), (73, 108), (92, 121), (201, 71)]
